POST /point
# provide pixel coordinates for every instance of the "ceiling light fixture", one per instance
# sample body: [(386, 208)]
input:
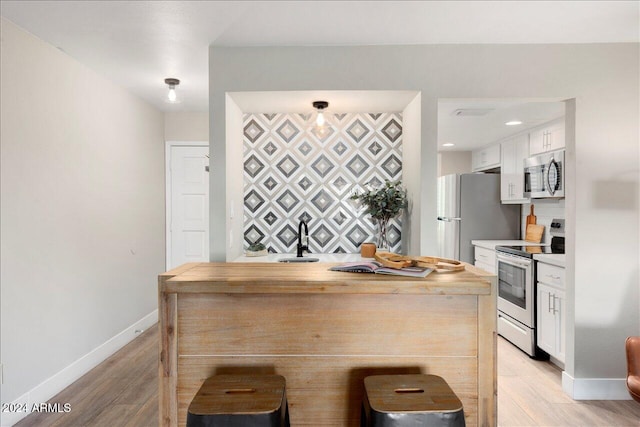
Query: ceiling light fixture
[(513, 123), (320, 106), (320, 126), (171, 95), (448, 144)]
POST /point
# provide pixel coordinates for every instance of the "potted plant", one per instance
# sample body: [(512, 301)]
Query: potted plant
[(256, 249), (383, 204)]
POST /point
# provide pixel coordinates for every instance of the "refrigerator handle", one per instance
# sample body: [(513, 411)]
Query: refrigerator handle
[(448, 219)]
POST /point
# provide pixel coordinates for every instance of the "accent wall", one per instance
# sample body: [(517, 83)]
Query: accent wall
[(293, 174)]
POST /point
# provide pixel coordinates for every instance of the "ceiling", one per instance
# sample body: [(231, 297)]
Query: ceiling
[(342, 101), (473, 123), (139, 43)]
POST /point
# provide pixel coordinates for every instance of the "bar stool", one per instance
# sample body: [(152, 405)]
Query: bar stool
[(240, 401), (410, 400)]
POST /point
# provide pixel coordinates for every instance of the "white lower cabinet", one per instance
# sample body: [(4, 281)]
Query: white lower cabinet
[(485, 259), (551, 311)]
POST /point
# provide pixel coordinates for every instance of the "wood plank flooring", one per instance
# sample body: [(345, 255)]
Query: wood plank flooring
[(123, 391)]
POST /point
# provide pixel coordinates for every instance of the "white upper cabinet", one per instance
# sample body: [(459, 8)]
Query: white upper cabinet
[(514, 151), (547, 138), (485, 158)]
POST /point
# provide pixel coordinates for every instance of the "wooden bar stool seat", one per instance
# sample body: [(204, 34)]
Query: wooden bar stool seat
[(240, 401), (410, 400)]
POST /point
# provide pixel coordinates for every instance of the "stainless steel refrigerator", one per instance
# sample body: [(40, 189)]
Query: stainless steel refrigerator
[(469, 208)]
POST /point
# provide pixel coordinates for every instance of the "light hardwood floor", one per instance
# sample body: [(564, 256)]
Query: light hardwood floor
[(123, 391)]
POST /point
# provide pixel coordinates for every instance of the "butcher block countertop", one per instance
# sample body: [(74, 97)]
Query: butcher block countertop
[(316, 278), (325, 331)]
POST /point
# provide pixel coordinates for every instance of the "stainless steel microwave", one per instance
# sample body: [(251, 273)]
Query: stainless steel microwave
[(544, 175)]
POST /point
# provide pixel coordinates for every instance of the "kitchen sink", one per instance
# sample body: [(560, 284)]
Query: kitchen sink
[(299, 259)]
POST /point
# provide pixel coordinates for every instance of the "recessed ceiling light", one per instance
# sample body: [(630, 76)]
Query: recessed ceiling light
[(448, 144), (513, 123)]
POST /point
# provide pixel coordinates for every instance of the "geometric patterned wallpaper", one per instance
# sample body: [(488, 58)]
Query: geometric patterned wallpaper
[(290, 174)]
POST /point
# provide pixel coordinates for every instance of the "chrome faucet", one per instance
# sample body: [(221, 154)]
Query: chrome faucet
[(300, 246)]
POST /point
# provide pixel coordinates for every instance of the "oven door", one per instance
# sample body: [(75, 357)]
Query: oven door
[(515, 288)]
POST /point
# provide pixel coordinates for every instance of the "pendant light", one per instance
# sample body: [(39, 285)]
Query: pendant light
[(320, 125), (171, 95)]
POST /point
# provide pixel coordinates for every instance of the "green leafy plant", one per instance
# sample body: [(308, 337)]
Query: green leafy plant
[(383, 203), (255, 247)]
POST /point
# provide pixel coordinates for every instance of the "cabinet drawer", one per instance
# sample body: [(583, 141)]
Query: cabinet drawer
[(485, 256), (551, 275)]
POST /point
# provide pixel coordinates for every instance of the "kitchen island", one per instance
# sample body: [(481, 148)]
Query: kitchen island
[(324, 331)]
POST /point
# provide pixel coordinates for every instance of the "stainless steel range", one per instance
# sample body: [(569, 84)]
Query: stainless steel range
[(516, 289)]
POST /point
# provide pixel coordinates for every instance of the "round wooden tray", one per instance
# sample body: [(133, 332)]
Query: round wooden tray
[(440, 265)]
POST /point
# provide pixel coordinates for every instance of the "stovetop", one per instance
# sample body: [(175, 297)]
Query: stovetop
[(530, 251)]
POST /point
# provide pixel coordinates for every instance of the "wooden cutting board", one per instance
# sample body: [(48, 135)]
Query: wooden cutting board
[(534, 233), (531, 218)]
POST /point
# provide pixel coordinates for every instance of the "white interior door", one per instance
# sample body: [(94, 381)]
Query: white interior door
[(188, 216)]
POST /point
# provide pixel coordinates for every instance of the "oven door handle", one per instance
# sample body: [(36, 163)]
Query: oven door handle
[(515, 262)]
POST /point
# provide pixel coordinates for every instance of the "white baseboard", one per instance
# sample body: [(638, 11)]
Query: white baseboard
[(59, 381), (595, 388)]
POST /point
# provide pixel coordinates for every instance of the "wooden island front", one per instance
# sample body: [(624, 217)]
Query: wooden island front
[(324, 331)]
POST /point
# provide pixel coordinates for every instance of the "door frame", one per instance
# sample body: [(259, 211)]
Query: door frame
[(167, 188)]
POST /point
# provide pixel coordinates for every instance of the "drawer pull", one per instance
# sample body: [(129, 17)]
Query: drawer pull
[(240, 391), (409, 390)]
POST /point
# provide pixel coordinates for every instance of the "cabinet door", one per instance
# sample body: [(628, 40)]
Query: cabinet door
[(537, 141), (486, 267), (556, 137), (486, 158), (548, 138), (514, 151), (561, 325), (522, 152), (507, 170), (546, 320)]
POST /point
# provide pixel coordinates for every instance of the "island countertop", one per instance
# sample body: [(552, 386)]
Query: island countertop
[(325, 331), (315, 278)]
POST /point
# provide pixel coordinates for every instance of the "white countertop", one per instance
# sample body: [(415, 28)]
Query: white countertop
[(553, 259), (491, 244), (321, 257)]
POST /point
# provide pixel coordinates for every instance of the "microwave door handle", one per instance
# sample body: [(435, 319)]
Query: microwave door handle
[(548, 173), (554, 164)]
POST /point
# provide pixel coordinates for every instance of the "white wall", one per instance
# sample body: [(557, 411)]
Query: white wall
[(454, 162), (82, 206), (186, 126), (234, 239), (603, 78)]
